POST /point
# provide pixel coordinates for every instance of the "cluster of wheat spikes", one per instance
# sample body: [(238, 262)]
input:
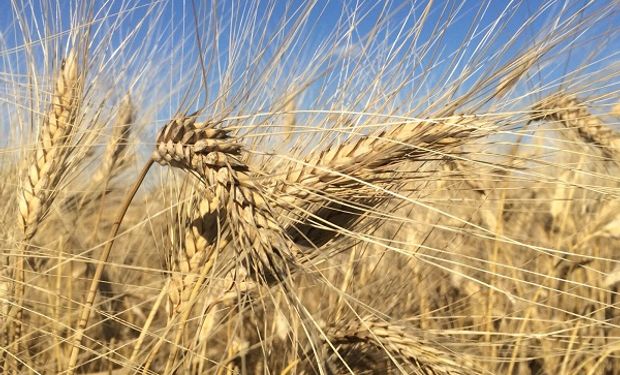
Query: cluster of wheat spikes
[(420, 188)]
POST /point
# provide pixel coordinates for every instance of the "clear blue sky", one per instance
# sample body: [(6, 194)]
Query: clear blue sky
[(175, 31)]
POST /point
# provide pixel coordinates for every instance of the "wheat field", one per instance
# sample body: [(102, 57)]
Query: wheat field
[(320, 187)]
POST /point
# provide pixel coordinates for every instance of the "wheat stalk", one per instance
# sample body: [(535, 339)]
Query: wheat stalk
[(87, 307)]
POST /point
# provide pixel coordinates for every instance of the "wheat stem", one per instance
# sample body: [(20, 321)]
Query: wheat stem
[(92, 291)]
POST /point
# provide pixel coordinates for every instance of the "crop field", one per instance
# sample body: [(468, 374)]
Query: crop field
[(310, 187)]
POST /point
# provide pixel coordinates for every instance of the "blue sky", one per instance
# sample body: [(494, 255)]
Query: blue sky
[(325, 14), (175, 32)]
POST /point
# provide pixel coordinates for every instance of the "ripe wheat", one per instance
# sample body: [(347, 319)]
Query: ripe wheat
[(46, 168), (572, 114)]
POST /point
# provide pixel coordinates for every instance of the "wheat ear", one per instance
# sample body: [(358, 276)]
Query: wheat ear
[(424, 356), (113, 161), (52, 149), (191, 263), (347, 180), (210, 154), (197, 251), (573, 114), (117, 146), (334, 171), (46, 169), (213, 155)]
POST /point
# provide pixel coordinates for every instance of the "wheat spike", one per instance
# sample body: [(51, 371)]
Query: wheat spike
[(345, 181), (615, 110), (117, 146), (334, 171), (573, 114), (52, 149), (424, 356), (44, 173), (212, 155), (196, 251)]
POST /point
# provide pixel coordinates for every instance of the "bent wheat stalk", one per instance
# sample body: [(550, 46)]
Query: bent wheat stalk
[(87, 308)]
